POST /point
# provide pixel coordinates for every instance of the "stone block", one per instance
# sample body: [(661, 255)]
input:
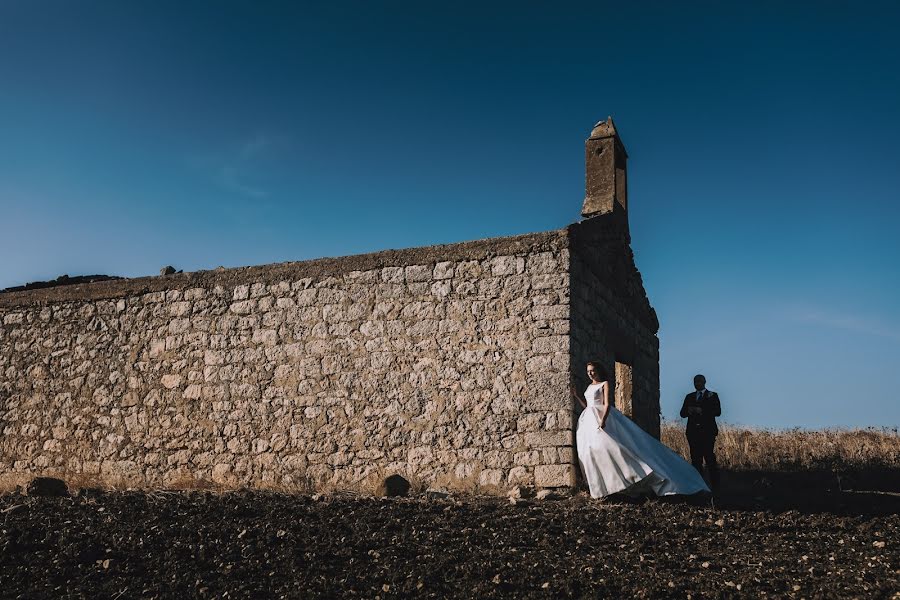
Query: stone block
[(221, 473), (520, 476), (538, 364), (528, 423), (179, 326), (443, 270), (307, 297), (490, 478), (331, 296), (417, 273), (266, 337), (197, 293), (490, 287), (549, 281), (241, 292), (363, 276), (507, 265), (244, 307), (285, 303), (553, 476), (171, 381), (441, 289), (157, 348), (180, 309), (540, 439), (527, 459), (13, 318), (301, 284), (543, 262), (559, 311), (551, 344), (392, 274)]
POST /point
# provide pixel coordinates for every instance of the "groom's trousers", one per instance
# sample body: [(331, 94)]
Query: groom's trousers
[(703, 450)]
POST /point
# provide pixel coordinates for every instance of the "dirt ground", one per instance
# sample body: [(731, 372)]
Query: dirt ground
[(777, 535)]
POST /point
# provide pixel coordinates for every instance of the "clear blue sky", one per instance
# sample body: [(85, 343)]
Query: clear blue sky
[(764, 176)]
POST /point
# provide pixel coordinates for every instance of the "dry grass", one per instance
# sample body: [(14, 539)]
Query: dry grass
[(773, 450)]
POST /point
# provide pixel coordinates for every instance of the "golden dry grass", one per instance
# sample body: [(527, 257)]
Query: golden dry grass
[(739, 448)]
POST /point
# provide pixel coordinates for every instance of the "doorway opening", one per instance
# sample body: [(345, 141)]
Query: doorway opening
[(624, 388)]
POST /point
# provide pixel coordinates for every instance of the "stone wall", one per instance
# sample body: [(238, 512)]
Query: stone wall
[(449, 365), (611, 318)]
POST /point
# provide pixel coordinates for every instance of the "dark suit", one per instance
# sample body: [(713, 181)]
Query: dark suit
[(702, 431)]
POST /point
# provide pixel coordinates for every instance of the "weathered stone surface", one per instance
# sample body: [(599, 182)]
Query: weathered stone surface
[(611, 320), (606, 185), (448, 364), (170, 381), (551, 476), (352, 370)]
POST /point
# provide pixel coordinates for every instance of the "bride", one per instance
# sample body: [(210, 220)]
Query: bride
[(618, 456)]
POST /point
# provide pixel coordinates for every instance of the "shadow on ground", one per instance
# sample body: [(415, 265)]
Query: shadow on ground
[(867, 491)]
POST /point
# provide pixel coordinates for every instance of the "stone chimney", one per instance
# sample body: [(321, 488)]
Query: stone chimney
[(606, 186)]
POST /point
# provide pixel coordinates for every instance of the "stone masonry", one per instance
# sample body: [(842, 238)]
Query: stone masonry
[(450, 365)]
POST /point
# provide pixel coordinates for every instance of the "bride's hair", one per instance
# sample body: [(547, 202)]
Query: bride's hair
[(598, 367)]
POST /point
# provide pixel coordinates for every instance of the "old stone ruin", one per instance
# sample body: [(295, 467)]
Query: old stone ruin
[(449, 365)]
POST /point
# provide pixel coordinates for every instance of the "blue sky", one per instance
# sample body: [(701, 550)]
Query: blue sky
[(763, 137)]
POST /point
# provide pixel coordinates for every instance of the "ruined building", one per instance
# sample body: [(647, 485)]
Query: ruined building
[(450, 365)]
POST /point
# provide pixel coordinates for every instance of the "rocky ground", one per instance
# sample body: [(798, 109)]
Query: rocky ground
[(266, 545)]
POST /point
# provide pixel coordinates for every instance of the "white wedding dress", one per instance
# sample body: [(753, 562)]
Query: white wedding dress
[(622, 457)]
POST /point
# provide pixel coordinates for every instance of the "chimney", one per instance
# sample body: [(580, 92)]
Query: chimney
[(606, 187)]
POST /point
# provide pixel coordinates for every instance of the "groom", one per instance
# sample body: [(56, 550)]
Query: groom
[(701, 409)]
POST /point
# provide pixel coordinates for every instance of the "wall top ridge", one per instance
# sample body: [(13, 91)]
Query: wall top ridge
[(552, 240)]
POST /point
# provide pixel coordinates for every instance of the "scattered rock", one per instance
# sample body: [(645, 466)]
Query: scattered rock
[(47, 486), (394, 485), (519, 492), (545, 494), (435, 494), (167, 270)]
